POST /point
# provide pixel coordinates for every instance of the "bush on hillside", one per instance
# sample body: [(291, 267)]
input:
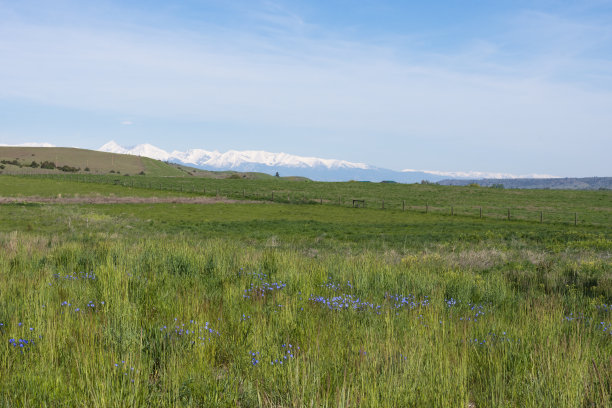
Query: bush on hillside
[(69, 169), (13, 162)]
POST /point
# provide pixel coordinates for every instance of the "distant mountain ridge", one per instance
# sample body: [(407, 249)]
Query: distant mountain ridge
[(582, 183), (288, 164), (258, 161), (266, 162), (230, 159)]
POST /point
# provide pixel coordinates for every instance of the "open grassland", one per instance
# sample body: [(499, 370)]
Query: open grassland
[(29, 186), (282, 305), (561, 206)]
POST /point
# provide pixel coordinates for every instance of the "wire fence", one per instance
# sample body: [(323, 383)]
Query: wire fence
[(254, 192)]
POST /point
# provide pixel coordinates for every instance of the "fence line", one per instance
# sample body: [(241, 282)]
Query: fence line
[(520, 214)]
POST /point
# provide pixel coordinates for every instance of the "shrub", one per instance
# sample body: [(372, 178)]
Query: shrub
[(13, 162), (69, 169), (47, 165)]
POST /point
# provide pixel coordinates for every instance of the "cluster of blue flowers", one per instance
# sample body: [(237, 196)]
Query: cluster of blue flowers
[(344, 302), (254, 360), (477, 309), (571, 317), (451, 302), (90, 306), (190, 331), (330, 284), (606, 327), (80, 275), (407, 302), (21, 344), (288, 354), (260, 290), (127, 372)]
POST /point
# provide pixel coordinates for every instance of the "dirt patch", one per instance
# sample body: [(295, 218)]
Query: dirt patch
[(122, 200)]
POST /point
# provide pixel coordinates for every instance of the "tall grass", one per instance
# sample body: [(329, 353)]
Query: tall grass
[(215, 322)]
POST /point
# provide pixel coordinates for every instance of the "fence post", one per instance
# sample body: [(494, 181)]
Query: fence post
[(426, 207), (508, 214), (273, 196), (480, 212), (321, 200), (575, 219), (541, 217), (403, 205), (452, 210), (383, 204)]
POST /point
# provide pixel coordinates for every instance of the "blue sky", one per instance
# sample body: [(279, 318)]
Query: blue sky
[(500, 86)]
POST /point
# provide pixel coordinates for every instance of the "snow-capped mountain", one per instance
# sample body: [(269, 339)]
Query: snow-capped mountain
[(291, 165), (481, 174), (231, 159), (267, 162)]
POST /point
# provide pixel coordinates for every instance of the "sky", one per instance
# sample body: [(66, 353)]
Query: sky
[(498, 86)]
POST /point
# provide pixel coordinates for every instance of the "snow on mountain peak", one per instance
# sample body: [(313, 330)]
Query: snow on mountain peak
[(479, 174), (231, 159), (113, 147)]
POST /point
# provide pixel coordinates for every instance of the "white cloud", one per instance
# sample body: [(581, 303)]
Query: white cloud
[(127, 122), (484, 95), (29, 144)]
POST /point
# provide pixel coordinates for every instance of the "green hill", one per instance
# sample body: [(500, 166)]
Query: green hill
[(65, 160), (61, 160)]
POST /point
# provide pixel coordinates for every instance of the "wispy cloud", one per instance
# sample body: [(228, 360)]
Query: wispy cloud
[(29, 144), (537, 84)]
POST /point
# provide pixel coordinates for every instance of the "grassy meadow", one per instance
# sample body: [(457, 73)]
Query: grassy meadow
[(558, 206), (292, 305)]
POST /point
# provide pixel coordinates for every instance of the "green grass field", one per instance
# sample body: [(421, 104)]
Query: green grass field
[(292, 305), (561, 206)]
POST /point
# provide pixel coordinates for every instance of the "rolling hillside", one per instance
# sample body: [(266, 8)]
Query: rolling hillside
[(61, 160), (64, 160)]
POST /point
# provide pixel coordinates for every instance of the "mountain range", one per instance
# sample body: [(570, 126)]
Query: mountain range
[(291, 165)]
